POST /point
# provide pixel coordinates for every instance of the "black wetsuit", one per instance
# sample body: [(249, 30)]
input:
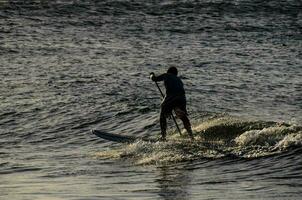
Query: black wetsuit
[(175, 94), (175, 99)]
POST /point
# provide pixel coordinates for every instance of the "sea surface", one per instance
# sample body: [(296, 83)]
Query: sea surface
[(67, 67)]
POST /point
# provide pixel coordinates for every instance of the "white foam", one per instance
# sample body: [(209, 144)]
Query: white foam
[(250, 144), (290, 140), (266, 137)]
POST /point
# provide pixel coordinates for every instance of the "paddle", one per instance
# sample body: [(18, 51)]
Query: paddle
[(162, 94)]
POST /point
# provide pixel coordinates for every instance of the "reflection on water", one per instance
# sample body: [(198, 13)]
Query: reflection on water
[(173, 183)]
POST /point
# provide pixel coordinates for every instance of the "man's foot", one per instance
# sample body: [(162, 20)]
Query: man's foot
[(190, 132), (162, 139)]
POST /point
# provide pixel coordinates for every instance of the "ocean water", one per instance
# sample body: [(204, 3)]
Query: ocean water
[(71, 66)]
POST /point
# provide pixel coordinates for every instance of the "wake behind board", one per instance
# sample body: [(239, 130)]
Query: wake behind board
[(120, 138)]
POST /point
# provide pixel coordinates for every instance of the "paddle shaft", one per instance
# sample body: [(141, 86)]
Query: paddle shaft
[(162, 94)]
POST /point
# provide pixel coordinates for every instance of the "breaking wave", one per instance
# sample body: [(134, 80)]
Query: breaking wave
[(216, 138)]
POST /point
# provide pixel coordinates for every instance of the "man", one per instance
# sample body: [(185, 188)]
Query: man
[(175, 99)]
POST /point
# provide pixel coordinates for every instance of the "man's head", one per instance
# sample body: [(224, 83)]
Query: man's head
[(172, 70)]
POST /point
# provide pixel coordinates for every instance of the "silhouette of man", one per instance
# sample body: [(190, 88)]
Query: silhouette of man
[(175, 99)]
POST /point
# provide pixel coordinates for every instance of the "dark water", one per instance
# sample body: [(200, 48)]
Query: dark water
[(71, 66)]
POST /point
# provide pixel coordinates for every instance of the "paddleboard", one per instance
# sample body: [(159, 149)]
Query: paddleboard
[(119, 138)]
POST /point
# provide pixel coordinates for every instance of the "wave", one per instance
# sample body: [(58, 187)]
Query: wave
[(158, 7), (215, 138)]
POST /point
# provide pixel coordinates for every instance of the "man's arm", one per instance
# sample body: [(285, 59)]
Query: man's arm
[(157, 78)]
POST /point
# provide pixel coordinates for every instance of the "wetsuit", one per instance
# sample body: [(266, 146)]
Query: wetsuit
[(175, 99)]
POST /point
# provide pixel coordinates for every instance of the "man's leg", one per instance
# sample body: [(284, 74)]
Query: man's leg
[(187, 125), (166, 110), (182, 114), (163, 124)]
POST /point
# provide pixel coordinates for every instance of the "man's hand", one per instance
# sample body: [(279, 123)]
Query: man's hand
[(152, 75)]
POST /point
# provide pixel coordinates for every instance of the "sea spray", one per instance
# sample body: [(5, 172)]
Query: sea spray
[(290, 140), (162, 152), (241, 139), (228, 127), (265, 137)]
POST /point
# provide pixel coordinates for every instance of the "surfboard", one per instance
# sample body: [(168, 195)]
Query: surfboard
[(120, 138)]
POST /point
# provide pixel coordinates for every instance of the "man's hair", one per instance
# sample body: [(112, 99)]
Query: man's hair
[(172, 70)]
